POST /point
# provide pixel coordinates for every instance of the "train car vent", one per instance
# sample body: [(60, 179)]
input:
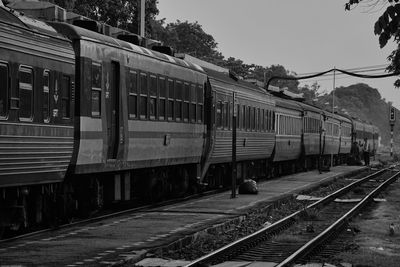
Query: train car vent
[(89, 25), (164, 49), (131, 38)]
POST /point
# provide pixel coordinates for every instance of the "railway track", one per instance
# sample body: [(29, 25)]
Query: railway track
[(299, 235)]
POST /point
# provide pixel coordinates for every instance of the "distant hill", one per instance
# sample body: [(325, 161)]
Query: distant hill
[(364, 102)]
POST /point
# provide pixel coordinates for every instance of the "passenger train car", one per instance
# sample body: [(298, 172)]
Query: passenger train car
[(88, 120), (37, 75)]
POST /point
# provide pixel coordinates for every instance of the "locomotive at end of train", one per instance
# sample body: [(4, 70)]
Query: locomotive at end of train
[(89, 119)]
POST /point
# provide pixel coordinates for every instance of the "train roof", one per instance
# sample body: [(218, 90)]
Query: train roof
[(78, 33), (237, 84), (309, 107), (287, 103), (18, 19)]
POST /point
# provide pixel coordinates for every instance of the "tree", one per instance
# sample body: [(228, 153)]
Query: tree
[(386, 27), (187, 37), (123, 14), (310, 92), (280, 71), (190, 38)]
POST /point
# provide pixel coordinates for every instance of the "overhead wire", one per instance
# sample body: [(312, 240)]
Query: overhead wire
[(349, 73)]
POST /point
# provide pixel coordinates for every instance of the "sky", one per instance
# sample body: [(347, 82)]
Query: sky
[(305, 36)]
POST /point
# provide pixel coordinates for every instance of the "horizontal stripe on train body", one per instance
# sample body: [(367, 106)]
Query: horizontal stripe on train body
[(164, 127), (158, 148)]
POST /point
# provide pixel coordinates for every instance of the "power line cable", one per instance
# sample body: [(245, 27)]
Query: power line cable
[(350, 69), (334, 69)]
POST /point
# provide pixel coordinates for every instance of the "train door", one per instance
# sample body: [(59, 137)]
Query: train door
[(113, 111)]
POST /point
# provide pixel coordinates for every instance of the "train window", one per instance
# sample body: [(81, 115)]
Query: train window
[(230, 108), (284, 125), (46, 96), (193, 103), (178, 100), (171, 95), (200, 103), (256, 118), (238, 116), (200, 97), (243, 116), (252, 118), (262, 120), (186, 99), (273, 121), (219, 114), (96, 89), (223, 114), (287, 125), (26, 93), (226, 114), (153, 97), (335, 130), (280, 124), (248, 118), (131, 83), (143, 95), (163, 95), (4, 84), (306, 125), (65, 97)]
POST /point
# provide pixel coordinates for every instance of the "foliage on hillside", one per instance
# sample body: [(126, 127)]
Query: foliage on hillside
[(366, 103)]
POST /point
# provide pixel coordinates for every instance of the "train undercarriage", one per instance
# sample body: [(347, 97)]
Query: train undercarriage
[(28, 208)]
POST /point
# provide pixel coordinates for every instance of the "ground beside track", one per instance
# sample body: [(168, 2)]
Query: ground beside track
[(374, 245)]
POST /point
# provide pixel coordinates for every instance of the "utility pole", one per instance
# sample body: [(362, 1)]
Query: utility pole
[(234, 169), (333, 105), (142, 16), (392, 120)]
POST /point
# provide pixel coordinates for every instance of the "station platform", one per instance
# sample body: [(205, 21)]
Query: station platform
[(130, 237)]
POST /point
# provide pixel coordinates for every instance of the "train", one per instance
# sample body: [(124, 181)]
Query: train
[(89, 120)]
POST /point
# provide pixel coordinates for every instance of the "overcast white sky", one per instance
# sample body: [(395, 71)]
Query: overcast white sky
[(303, 36)]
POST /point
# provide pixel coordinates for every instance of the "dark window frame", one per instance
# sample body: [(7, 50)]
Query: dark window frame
[(153, 95), (171, 99), (20, 87), (193, 103), (5, 87), (162, 100), (95, 90), (186, 102), (46, 114), (132, 93), (66, 97), (200, 89), (143, 94), (178, 111)]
